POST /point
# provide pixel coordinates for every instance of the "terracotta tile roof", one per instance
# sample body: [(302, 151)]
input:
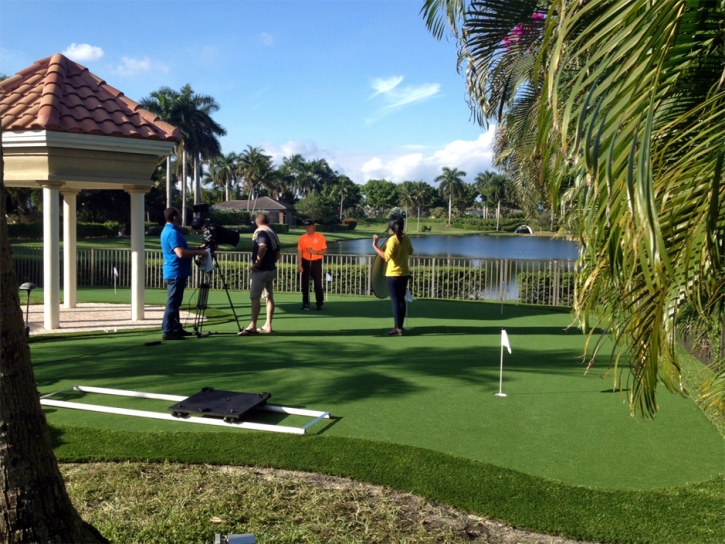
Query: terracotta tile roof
[(263, 203), (60, 95)]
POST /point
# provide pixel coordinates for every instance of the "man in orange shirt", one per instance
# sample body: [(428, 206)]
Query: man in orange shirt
[(311, 248)]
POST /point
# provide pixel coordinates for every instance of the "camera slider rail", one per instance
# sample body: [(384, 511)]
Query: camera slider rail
[(198, 405)]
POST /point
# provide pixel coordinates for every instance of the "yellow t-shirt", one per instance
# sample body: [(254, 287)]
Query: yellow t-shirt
[(396, 255)]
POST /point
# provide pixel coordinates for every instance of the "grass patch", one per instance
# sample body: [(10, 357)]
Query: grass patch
[(689, 514), (171, 503)]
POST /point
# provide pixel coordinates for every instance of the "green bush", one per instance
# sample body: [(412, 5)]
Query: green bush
[(109, 229), (330, 228), (279, 228), (25, 231), (507, 224), (227, 218), (540, 288)]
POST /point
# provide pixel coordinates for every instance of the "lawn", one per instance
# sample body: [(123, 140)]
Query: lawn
[(560, 454)]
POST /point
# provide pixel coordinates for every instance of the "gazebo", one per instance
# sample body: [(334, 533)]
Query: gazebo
[(65, 130)]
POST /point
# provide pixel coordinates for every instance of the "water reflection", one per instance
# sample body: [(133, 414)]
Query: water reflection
[(474, 246)]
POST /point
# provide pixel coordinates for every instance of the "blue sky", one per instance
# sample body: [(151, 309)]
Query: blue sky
[(360, 83)]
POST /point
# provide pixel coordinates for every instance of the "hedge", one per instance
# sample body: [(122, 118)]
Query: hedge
[(506, 224), (319, 227), (34, 231), (279, 228), (539, 288), (350, 223), (227, 218)]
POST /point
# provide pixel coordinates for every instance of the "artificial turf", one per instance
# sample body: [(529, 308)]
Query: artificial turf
[(560, 454)]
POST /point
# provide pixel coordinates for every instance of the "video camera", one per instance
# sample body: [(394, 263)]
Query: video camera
[(214, 234)]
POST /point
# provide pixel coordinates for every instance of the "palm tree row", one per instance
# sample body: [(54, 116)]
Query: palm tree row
[(614, 109)]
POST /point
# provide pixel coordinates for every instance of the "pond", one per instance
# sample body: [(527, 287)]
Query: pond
[(473, 246)]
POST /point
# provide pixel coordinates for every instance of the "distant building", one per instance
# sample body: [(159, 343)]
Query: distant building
[(278, 212)]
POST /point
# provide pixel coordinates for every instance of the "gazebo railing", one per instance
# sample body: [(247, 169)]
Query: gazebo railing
[(546, 282)]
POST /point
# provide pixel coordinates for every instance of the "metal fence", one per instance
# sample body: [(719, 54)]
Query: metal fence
[(510, 280)]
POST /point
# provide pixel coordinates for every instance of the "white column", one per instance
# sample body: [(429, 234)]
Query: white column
[(169, 187), (51, 256), (70, 280), (138, 261), (183, 187), (197, 186)]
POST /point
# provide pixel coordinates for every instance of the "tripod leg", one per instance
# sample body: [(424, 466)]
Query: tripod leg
[(226, 289), (201, 305)]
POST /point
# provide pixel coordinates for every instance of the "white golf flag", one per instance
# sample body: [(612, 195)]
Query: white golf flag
[(328, 277), (115, 271), (408, 296), (505, 340)]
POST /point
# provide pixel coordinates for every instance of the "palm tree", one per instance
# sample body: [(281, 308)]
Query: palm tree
[(406, 197), (344, 189), (223, 170), (419, 192), (451, 183), (191, 114), (493, 188), (630, 132), (257, 171)]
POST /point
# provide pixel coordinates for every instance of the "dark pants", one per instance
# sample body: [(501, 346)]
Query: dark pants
[(397, 286), (314, 269), (172, 322)]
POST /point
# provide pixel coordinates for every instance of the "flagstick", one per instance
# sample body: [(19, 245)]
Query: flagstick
[(500, 377)]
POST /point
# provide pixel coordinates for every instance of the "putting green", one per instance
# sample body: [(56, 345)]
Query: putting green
[(433, 388)]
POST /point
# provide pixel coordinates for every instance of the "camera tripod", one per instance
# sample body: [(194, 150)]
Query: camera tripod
[(203, 298)]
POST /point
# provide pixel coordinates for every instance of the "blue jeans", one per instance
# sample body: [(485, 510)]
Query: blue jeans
[(172, 322), (397, 285)]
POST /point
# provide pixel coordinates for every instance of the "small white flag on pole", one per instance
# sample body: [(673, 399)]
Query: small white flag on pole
[(504, 343), (505, 340), (328, 279), (115, 276)]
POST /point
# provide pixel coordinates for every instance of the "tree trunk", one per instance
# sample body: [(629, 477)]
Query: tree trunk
[(34, 504), (183, 187), (341, 197), (498, 215), (450, 201), (197, 186), (418, 227)]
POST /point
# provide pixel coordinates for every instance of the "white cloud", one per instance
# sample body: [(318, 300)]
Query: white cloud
[(385, 85), (132, 66), (267, 39), (83, 52), (470, 156), (307, 148), (397, 96)]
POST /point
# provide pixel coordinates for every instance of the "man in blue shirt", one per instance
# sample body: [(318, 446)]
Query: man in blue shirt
[(177, 268)]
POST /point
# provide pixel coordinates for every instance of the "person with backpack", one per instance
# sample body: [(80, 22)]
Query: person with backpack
[(265, 254)]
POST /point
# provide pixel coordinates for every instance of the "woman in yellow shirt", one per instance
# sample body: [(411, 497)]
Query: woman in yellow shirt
[(397, 273)]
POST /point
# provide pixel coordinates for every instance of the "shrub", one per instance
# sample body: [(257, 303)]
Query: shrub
[(540, 288), (318, 208), (279, 228), (25, 231), (227, 218), (350, 223), (329, 228)]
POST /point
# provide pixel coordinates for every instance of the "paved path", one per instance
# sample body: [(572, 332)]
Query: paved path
[(92, 316)]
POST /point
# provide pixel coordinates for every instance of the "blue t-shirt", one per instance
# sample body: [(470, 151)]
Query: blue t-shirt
[(174, 268)]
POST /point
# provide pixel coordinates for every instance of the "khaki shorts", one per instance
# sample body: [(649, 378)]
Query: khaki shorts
[(261, 283)]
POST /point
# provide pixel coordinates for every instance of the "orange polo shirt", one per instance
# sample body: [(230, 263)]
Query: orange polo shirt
[(316, 241)]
